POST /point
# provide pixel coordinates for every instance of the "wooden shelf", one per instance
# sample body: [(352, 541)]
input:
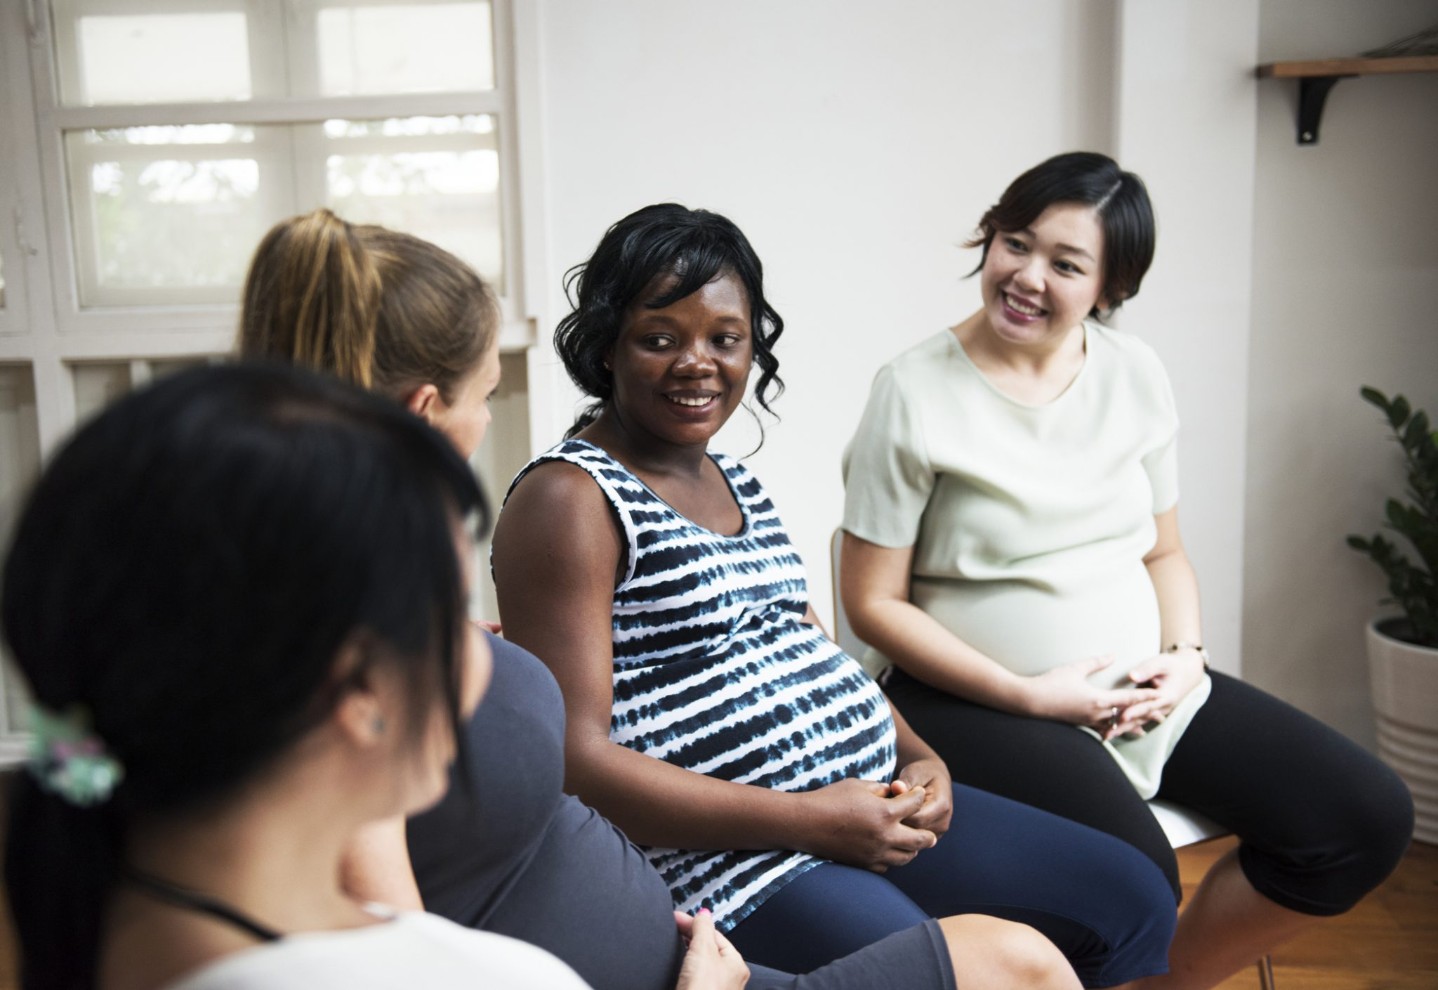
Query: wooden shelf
[(1348, 67), (1317, 76)]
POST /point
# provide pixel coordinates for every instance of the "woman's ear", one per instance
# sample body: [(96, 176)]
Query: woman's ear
[(360, 712), (424, 402)]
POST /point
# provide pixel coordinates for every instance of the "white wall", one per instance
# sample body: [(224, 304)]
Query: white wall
[(1185, 102), (1345, 293), (858, 143)]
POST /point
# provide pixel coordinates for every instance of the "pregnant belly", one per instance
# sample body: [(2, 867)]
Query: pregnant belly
[(1031, 630)]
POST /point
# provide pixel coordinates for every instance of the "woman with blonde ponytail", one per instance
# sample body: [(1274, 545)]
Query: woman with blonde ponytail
[(384, 310)]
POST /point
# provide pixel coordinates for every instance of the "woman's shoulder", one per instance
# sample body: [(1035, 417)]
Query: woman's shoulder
[(525, 671), (580, 455), (559, 508), (1126, 364), (562, 477), (927, 375), (552, 507), (923, 357), (1123, 347), (924, 371)]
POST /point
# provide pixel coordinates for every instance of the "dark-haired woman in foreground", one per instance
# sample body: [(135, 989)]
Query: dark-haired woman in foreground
[(237, 598), (1012, 549), (709, 716), (506, 850)]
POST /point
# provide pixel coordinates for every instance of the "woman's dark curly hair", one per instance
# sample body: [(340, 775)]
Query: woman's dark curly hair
[(693, 246)]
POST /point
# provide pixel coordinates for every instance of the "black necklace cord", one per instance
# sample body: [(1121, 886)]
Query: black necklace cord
[(193, 900)]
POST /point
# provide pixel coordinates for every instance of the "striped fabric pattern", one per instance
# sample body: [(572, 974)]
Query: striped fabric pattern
[(715, 672)]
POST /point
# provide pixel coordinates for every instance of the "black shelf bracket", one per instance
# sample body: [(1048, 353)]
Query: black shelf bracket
[(1312, 94)]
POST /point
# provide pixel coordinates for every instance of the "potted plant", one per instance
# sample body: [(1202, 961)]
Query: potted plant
[(1403, 648)]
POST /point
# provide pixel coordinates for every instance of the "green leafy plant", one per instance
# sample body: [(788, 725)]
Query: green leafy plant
[(1411, 585)]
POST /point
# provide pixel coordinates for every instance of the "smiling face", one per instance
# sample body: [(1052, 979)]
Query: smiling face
[(680, 371), (1039, 283)]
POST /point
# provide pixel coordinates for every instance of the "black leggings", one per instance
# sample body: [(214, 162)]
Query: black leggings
[(1321, 821)]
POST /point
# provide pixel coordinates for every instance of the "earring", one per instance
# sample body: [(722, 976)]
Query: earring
[(378, 725)]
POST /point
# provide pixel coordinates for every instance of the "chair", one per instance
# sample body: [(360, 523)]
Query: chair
[(1182, 826)]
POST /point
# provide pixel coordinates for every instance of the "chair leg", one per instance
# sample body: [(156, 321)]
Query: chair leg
[(1265, 973)]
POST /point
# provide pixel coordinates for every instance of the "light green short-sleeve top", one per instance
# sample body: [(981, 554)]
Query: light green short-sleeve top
[(1029, 523)]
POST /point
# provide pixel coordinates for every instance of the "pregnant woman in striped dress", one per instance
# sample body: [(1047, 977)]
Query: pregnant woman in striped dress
[(709, 716)]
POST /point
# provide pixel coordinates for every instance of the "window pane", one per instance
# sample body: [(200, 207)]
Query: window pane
[(435, 177), (405, 48), (171, 214), (125, 53), (184, 51)]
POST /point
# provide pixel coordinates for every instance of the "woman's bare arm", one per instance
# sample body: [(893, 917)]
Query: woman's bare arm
[(1175, 585)]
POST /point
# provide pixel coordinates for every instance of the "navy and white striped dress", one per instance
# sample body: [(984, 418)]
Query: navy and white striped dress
[(715, 672)]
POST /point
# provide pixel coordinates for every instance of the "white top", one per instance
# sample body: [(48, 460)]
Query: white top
[(413, 949), (1029, 523)]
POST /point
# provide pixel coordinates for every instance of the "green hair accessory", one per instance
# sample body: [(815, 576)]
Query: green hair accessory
[(68, 759)]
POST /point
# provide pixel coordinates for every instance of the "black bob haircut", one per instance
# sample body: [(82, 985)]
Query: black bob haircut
[(1090, 179), (664, 240)]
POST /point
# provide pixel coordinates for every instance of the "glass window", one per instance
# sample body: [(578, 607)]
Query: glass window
[(167, 213), (119, 52), (435, 177), (366, 49), (152, 52), (171, 214)]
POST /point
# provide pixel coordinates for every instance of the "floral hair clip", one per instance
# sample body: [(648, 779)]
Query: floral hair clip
[(69, 760)]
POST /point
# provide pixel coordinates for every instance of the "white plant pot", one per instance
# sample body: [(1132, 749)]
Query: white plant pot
[(1405, 697)]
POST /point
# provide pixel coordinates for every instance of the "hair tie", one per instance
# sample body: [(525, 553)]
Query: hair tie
[(68, 759)]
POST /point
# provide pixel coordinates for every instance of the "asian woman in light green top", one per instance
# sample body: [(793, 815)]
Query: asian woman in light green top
[(1012, 555)]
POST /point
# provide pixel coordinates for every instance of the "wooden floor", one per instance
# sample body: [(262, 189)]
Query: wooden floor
[(1389, 942)]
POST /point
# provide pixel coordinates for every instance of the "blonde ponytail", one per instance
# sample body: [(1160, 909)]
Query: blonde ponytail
[(379, 308), (312, 298)]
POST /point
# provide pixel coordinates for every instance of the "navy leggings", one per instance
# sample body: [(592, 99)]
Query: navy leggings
[(1321, 822), (1099, 900)]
